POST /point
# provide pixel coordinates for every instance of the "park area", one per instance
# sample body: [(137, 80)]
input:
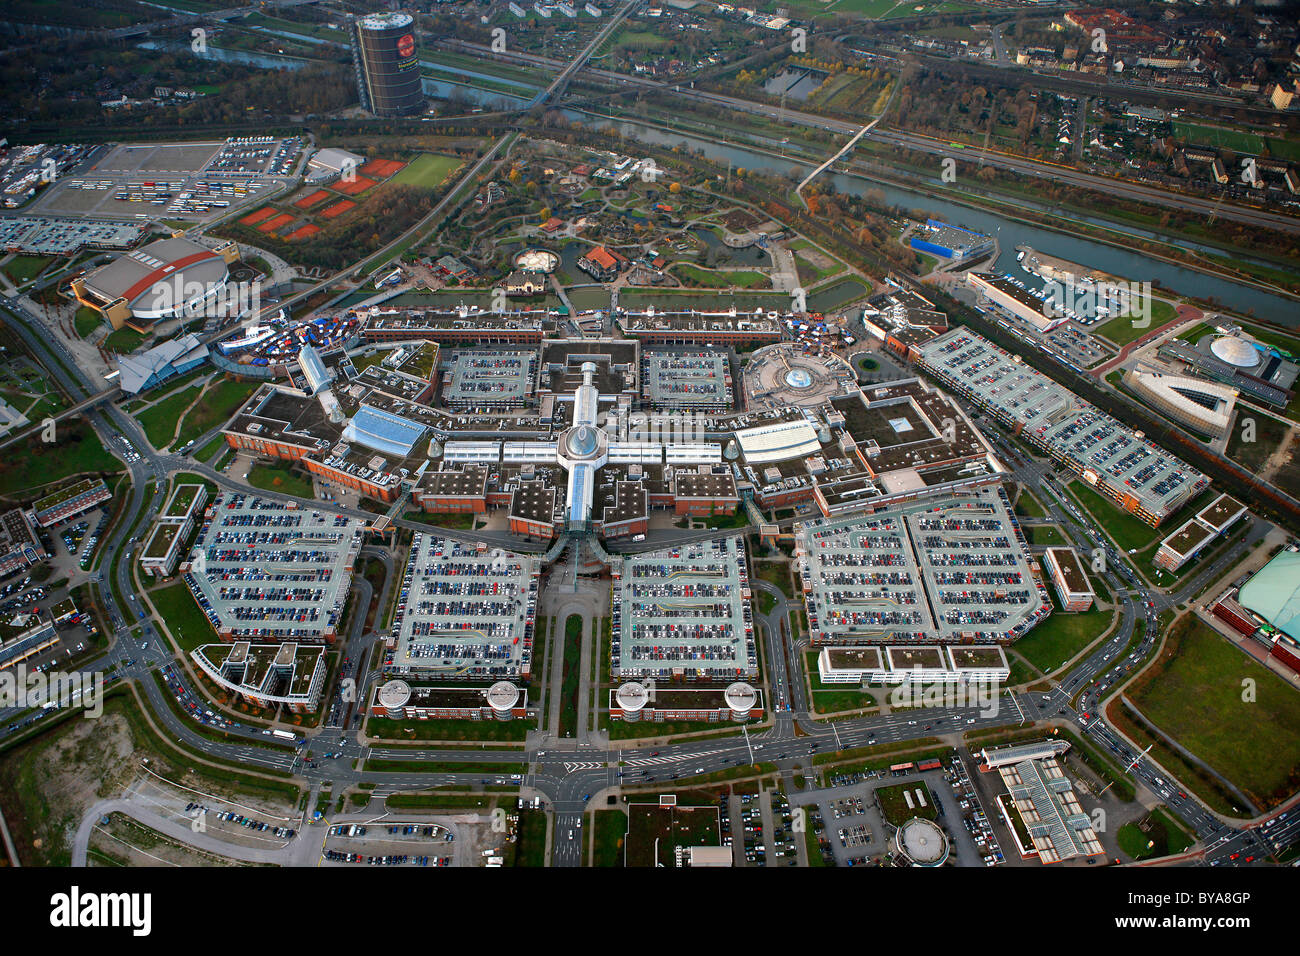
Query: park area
[(1197, 693)]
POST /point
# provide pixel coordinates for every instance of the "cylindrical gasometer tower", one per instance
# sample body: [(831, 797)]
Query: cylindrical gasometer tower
[(387, 65)]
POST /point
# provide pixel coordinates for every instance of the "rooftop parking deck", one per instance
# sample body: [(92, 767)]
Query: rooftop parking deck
[(464, 612), (684, 612), (687, 378), (264, 569), (950, 569), (1138, 474)]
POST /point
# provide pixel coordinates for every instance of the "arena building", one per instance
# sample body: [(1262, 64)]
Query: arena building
[(1136, 474), (166, 279)]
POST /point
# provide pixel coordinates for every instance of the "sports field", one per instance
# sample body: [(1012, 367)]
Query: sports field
[(354, 187), (273, 224), (311, 199), (338, 209), (255, 217), (428, 170), (382, 168), (302, 232)]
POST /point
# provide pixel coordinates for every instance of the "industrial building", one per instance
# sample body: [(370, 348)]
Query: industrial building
[(387, 64), (950, 242), (1016, 300), (1039, 792), (1136, 474)]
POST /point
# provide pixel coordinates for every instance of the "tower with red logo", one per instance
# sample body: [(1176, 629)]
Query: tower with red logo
[(386, 59)]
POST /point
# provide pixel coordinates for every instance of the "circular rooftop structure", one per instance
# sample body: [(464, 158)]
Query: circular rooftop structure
[(740, 697), (799, 378), (1235, 351), (922, 842), (502, 696), (784, 374), (394, 694), (632, 697), (581, 442), (537, 260)]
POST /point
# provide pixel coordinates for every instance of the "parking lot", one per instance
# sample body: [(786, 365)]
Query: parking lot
[(687, 379), (489, 377), (263, 569), (936, 569), (465, 613), (684, 609)]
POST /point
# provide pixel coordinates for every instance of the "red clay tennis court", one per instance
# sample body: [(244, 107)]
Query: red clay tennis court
[(382, 168), (358, 185), (302, 232), (273, 224), (338, 209), (306, 202), (256, 217)]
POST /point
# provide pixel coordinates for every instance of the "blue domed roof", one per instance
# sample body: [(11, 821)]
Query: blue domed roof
[(582, 441)]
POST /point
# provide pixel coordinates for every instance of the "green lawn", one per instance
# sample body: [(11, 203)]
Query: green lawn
[(22, 268), (1159, 830), (218, 403), (1129, 531), (122, 340), (1122, 331), (87, 321), (429, 170), (610, 828), (1254, 743), (1028, 506), (498, 730), (77, 450), (278, 476), (159, 419), (1061, 636), (775, 572), (181, 613), (572, 652), (1045, 536)]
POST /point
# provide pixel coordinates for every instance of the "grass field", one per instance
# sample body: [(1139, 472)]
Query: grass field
[(1268, 434), (21, 268), (159, 420), (214, 408), (1045, 536), (1061, 636), (1128, 531), (428, 170), (609, 828), (186, 622), (280, 477), (1159, 830), (1194, 693), (76, 451), (1122, 331), (87, 320)]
